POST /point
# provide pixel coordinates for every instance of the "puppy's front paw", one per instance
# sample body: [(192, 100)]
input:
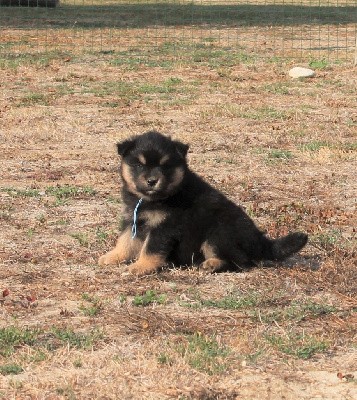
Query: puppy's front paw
[(110, 258), (139, 269)]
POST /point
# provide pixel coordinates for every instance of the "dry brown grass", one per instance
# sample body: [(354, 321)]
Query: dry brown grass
[(285, 150)]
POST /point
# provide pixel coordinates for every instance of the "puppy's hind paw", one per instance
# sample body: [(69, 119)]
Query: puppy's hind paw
[(212, 265)]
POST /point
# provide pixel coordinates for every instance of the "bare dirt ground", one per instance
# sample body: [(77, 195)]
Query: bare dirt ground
[(284, 149)]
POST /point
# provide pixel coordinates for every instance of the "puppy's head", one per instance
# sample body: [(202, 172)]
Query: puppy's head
[(153, 165)]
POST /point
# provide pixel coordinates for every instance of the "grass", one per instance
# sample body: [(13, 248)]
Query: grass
[(13, 337), (82, 238), (279, 154), (149, 297), (14, 192), (282, 149), (229, 302), (300, 346), (94, 308), (63, 193), (68, 191), (297, 311), (204, 354), (315, 145), (10, 369)]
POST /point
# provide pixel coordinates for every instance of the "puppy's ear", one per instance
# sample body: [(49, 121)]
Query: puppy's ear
[(181, 148), (124, 147)]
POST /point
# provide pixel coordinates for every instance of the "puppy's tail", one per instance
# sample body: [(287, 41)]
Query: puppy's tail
[(281, 248)]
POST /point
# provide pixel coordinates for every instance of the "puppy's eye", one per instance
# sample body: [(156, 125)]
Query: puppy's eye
[(136, 163)]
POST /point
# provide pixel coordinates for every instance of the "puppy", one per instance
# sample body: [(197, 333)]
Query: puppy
[(172, 216)]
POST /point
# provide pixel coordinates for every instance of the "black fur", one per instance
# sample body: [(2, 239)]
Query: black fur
[(195, 216)]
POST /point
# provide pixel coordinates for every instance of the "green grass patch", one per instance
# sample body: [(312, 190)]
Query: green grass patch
[(94, 307), (65, 192), (13, 192), (318, 64), (233, 302), (12, 338), (266, 113), (296, 312), (277, 88), (10, 369), (328, 239), (315, 145), (149, 297), (82, 238), (279, 154), (33, 98), (204, 353), (78, 340), (299, 346), (14, 60)]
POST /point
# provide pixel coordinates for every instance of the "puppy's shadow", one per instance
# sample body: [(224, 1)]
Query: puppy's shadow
[(309, 262), (312, 263)]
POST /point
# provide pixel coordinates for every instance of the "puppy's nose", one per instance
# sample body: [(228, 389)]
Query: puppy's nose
[(152, 181)]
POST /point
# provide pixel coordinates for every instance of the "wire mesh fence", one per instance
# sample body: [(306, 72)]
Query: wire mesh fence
[(298, 29)]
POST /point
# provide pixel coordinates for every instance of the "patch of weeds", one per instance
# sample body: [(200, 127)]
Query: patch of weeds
[(62, 222), (318, 64), (164, 359), (77, 340), (233, 302), (21, 192), (349, 146), (10, 369), (94, 308), (78, 363), (101, 235), (62, 193), (41, 60), (114, 199), (277, 88), (298, 311), (38, 356), (204, 353), (111, 104), (299, 346), (252, 358), (12, 338), (266, 113), (149, 297), (33, 98), (41, 218), (30, 232), (82, 238), (279, 154), (315, 145), (327, 240), (67, 392)]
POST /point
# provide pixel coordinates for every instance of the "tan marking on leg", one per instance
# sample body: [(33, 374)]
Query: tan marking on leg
[(142, 159), (147, 263), (208, 250), (212, 263), (126, 249)]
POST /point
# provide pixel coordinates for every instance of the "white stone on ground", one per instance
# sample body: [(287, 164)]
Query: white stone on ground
[(300, 72)]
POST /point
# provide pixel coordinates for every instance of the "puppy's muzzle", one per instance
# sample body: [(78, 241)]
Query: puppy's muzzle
[(152, 182)]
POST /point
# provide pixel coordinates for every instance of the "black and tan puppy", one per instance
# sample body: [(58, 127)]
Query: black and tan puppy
[(173, 216)]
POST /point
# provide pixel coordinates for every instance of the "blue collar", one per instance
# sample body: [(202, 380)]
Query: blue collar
[(135, 216)]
